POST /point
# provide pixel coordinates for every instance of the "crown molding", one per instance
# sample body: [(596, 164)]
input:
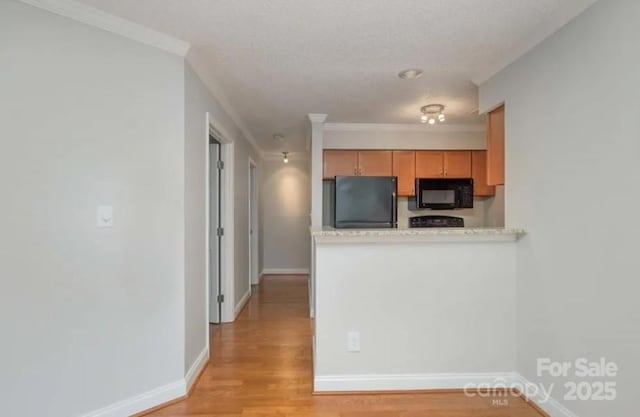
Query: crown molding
[(91, 16), (388, 127), (317, 117), (199, 66), (97, 18)]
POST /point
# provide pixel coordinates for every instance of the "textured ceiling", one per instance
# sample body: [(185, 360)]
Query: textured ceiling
[(278, 60)]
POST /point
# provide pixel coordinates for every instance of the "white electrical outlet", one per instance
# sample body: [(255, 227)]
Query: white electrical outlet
[(353, 342)]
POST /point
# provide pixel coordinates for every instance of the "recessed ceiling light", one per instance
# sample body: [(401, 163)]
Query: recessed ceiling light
[(278, 137), (410, 74)]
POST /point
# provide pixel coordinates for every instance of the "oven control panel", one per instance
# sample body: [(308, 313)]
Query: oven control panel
[(436, 221)]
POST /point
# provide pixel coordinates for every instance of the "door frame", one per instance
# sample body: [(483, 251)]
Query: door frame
[(216, 130), (210, 236), (253, 202)]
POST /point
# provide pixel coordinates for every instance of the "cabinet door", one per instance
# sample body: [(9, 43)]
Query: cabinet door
[(457, 164), (479, 170), (429, 164), (495, 147), (339, 162), (404, 167), (374, 163)]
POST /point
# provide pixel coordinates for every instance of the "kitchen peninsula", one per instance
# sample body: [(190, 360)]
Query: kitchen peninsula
[(426, 307), (450, 289)]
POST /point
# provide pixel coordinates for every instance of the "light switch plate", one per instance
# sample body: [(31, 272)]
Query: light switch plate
[(104, 216), (353, 341)]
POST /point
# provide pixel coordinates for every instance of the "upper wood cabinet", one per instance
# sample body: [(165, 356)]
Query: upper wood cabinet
[(457, 164), (375, 163), (439, 164), (339, 162), (479, 170), (429, 164), (495, 146), (404, 167), (409, 165), (365, 163)]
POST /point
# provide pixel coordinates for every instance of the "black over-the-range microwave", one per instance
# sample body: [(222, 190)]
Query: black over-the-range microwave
[(442, 194)]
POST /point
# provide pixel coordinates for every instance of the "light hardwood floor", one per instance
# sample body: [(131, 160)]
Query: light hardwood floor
[(261, 366)]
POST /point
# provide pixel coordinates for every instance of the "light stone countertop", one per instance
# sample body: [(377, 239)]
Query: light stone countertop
[(328, 234)]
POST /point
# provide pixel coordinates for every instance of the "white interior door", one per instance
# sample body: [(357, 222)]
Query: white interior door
[(215, 203), (253, 225)]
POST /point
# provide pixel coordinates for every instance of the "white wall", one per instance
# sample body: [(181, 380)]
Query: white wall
[(243, 151), (571, 156), (494, 209), (419, 308), (199, 101), (286, 196), (89, 316), (375, 136)]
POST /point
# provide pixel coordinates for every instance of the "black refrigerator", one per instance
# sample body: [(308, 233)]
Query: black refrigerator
[(366, 202)]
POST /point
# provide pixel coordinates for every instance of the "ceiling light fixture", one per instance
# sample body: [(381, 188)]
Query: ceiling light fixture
[(285, 158), (410, 74), (432, 113), (278, 137)]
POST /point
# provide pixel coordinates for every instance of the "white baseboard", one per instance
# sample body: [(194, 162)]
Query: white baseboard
[(241, 303), (406, 382), (285, 271), (196, 368), (157, 396), (143, 401), (550, 405)]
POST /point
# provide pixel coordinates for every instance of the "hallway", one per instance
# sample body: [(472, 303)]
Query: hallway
[(261, 366)]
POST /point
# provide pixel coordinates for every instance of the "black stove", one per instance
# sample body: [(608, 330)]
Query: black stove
[(436, 221)]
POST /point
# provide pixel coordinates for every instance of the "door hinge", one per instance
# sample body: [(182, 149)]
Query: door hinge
[(220, 231), (220, 298), (220, 165)]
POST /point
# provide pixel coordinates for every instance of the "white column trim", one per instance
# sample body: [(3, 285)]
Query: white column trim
[(317, 129)]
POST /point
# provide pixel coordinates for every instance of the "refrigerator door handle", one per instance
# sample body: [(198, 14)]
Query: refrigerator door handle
[(394, 210)]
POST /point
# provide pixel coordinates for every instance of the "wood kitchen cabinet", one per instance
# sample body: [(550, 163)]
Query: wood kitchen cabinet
[(375, 163), (457, 164), (404, 167), (429, 164), (408, 165), (479, 174), (339, 162), (440, 164), (365, 163), (495, 146)]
